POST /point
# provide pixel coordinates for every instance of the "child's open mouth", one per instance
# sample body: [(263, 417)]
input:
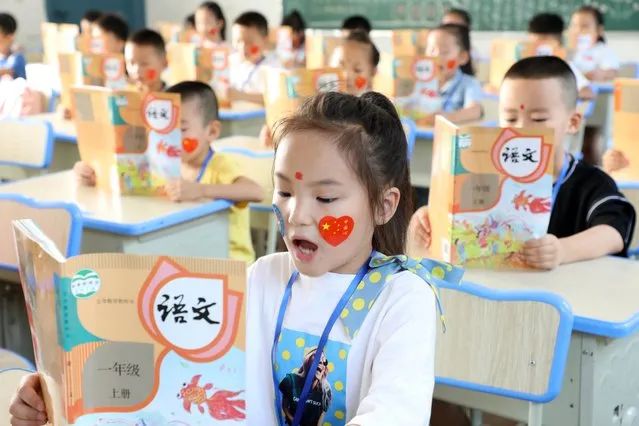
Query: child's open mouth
[(304, 250)]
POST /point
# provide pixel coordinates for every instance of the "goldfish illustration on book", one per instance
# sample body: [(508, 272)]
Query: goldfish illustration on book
[(222, 405), (536, 205)]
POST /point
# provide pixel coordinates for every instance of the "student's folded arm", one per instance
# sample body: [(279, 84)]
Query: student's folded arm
[(241, 189), (611, 224), (403, 372), (255, 98), (470, 113), (473, 109)]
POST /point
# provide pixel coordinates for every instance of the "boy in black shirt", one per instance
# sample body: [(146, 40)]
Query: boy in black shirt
[(590, 218)]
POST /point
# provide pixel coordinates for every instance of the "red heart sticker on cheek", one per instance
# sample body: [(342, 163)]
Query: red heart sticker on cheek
[(254, 50), (360, 82), (151, 74), (451, 64), (189, 145), (213, 31), (336, 230)]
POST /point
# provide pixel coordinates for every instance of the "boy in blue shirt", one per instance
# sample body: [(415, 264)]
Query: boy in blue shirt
[(12, 63)]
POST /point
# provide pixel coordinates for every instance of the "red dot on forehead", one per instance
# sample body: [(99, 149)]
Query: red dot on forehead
[(521, 107), (298, 175)]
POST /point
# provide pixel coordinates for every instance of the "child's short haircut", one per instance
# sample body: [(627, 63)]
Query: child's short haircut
[(464, 15), (190, 20), (357, 22), (147, 37), (360, 36), (114, 24), (369, 132), (91, 15), (547, 24), (547, 67), (189, 90), (8, 24), (253, 20)]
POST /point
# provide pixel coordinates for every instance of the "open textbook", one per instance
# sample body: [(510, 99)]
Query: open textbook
[(133, 340)]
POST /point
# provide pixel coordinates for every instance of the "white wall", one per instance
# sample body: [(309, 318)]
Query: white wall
[(30, 13)]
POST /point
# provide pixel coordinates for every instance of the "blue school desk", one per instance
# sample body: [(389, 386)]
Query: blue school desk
[(601, 378), (135, 224)]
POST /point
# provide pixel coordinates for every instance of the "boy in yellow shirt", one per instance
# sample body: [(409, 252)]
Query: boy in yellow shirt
[(205, 174)]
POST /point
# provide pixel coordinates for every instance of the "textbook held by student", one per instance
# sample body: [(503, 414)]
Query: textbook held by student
[(132, 140), (495, 188), (172, 351)]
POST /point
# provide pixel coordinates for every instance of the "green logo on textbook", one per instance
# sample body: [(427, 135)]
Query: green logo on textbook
[(85, 283)]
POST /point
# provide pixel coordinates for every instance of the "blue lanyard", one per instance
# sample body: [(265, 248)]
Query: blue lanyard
[(562, 176), (451, 91), (310, 374), (250, 74), (205, 164)]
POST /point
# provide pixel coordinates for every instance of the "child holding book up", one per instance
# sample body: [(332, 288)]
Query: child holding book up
[(205, 174), (340, 329)]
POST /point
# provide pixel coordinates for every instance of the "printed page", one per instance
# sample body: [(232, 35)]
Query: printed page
[(39, 263), (172, 349)]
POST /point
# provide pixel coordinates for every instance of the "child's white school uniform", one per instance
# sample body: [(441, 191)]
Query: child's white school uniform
[(599, 56), (247, 76), (385, 337), (582, 81)]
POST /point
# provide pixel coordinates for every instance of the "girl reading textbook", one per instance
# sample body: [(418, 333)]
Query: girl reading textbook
[(333, 323)]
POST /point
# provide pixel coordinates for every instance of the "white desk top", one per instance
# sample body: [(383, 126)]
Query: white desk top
[(603, 293), (64, 129), (123, 215)]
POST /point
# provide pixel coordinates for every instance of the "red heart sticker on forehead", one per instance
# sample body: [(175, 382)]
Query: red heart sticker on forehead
[(451, 64), (151, 74), (360, 82), (189, 145), (254, 50), (335, 230)]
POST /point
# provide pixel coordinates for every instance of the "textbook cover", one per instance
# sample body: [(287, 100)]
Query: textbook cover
[(134, 340), (504, 54), (209, 65), (624, 126), (92, 70), (286, 89), (320, 49), (56, 39), (131, 139), (493, 192), (413, 85)]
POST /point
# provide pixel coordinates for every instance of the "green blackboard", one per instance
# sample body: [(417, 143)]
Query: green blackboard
[(488, 15)]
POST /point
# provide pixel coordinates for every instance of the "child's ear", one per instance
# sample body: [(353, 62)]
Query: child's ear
[(575, 123), (214, 130), (374, 72), (389, 206), (464, 58)]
